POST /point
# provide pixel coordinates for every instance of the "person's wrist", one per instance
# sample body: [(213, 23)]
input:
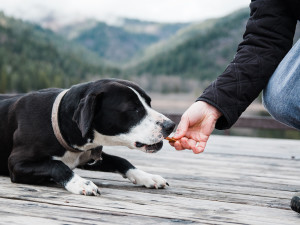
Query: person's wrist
[(213, 111)]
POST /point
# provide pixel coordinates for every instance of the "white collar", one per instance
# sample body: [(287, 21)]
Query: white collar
[(55, 123)]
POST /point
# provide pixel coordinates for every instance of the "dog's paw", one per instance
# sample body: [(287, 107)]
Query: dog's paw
[(78, 185), (148, 180)]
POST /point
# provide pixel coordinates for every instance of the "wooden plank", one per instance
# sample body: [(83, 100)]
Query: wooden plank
[(181, 183), (156, 205), (213, 191), (236, 181), (21, 212)]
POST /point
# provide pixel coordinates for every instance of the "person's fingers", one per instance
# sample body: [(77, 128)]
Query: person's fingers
[(199, 147), (171, 143), (177, 145), (192, 143), (198, 150), (182, 128), (184, 143)]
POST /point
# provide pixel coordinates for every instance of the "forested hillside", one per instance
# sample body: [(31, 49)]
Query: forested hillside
[(161, 57), (179, 37), (202, 56), (118, 43), (114, 43), (34, 58)]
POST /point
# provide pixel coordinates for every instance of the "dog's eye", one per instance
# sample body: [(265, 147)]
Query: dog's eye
[(136, 110), (139, 110)]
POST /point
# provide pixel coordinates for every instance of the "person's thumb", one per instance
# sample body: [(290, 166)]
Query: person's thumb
[(182, 128)]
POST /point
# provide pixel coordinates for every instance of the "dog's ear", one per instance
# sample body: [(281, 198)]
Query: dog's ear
[(84, 114)]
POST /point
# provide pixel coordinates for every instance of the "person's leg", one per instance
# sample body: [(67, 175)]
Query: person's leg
[(281, 97)]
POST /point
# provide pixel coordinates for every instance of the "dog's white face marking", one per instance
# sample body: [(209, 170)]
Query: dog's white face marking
[(148, 131)]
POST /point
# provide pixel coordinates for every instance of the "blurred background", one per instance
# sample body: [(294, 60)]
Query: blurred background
[(172, 49)]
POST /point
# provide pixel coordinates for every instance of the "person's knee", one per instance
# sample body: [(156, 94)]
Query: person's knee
[(273, 101), (282, 106), (280, 97)]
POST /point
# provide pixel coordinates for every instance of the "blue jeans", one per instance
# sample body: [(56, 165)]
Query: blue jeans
[(281, 97)]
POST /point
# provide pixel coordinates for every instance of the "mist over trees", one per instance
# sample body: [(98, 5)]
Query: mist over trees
[(32, 58), (166, 58)]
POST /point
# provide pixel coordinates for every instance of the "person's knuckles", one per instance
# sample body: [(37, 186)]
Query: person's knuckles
[(198, 150), (178, 146), (192, 142), (202, 145), (185, 144)]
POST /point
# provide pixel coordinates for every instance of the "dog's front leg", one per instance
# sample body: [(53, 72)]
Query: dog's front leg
[(115, 164), (37, 172)]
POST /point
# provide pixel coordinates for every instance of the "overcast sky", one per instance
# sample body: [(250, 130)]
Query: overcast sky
[(153, 10)]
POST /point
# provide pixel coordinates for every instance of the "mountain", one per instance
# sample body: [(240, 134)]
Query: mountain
[(114, 43), (200, 51), (120, 42), (33, 58), (178, 37), (161, 57), (160, 30)]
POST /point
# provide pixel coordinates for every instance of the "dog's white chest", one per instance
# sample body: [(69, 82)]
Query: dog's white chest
[(73, 159)]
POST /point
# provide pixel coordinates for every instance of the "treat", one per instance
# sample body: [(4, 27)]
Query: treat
[(170, 139)]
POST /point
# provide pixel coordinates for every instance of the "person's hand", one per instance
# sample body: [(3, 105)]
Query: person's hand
[(195, 127)]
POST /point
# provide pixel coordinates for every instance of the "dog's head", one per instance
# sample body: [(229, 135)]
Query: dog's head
[(118, 112)]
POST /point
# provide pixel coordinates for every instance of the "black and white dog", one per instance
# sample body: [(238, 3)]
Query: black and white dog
[(45, 134)]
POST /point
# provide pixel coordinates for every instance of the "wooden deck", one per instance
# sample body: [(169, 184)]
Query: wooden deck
[(236, 181)]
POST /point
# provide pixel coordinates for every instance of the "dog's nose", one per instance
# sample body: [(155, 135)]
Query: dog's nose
[(168, 127)]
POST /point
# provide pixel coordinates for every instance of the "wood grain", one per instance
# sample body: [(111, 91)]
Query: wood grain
[(237, 180)]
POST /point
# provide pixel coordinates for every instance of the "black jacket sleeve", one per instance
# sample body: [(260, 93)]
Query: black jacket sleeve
[(267, 39)]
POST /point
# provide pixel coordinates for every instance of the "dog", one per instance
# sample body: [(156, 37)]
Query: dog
[(45, 134)]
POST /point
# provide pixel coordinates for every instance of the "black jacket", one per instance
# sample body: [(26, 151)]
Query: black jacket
[(267, 39)]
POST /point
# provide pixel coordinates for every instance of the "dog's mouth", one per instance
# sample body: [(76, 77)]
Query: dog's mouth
[(149, 148)]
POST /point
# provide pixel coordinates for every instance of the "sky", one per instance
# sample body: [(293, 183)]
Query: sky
[(151, 10)]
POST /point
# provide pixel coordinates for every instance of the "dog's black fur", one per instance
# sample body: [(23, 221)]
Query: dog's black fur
[(27, 140)]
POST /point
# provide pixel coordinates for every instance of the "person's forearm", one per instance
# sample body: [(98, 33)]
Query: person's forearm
[(267, 39)]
